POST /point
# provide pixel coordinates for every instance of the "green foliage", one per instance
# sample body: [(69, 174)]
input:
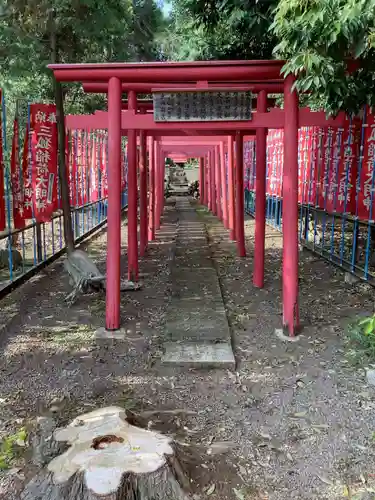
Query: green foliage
[(367, 326), (362, 339), (169, 162), (167, 189), (149, 30), (219, 29), (317, 38), (10, 447), (85, 31), (192, 163), (193, 189)]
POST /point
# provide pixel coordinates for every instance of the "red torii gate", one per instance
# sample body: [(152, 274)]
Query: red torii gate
[(210, 151), (261, 77)]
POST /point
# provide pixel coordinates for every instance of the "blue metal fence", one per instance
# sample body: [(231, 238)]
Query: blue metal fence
[(338, 228), (25, 250), (341, 239)]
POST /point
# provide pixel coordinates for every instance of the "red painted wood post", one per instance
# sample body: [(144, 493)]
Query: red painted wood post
[(219, 208), (290, 209), (231, 193), (213, 184), (209, 182), (114, 206), (151, 200), (143, 192), (132, 196), (240, 203), (206, 190), (157, 185), (160, 188), (260, 195), (201, 180), (224, 185), (162, 185)]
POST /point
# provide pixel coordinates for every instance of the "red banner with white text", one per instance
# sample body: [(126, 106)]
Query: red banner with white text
[(44, 160), (366, 182), (103, 167), (27, 178), (2, 180), (94, 180), (16, 179)]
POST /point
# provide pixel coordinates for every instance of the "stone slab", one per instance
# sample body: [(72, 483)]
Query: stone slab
[(130, 334), (103, 334), (196, 329), (199, 355)]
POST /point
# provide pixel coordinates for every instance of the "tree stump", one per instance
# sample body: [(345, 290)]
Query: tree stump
[(84, 276), (110, 459)]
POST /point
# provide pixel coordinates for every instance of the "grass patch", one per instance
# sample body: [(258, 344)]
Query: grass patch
[(361, 340), (11, 447)]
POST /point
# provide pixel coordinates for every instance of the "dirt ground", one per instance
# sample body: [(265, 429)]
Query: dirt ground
[(295, 420)]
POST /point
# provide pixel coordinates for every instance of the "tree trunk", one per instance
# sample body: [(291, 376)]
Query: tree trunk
[(159, 485), (110, 459), (63, 172)]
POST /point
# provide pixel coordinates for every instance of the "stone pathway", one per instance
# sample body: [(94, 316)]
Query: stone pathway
[(197, 331)]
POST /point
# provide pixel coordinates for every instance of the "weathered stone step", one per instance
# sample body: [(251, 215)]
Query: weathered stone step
[(199, 355)]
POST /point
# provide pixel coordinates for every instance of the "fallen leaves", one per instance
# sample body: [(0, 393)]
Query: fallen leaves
[(299, 414), (239, 494), (210, 489), (318, 428), (325, 480), (220, 447)]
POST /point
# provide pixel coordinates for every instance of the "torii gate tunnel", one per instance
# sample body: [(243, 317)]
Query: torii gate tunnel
[(210, 140)]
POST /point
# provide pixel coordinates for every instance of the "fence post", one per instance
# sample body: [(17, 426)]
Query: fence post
[(39, 244)]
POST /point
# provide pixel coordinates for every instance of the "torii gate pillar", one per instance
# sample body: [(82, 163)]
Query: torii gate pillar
[(143, 193), (260, 200), (114, 206), (219, 210), (213, 183), (224, 184), (240, 208), (209, 182), (201, 180), (290, 209), (207, 194), (132, 196), (151, 208), (157, 167), (231, 197)]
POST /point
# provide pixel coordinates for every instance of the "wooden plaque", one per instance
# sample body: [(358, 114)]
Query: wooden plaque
[(198, 106)]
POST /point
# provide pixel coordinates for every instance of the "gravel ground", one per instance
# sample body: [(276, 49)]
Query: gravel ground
[(295, 420)]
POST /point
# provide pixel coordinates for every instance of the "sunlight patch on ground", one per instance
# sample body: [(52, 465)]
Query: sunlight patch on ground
[(65, 336)]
